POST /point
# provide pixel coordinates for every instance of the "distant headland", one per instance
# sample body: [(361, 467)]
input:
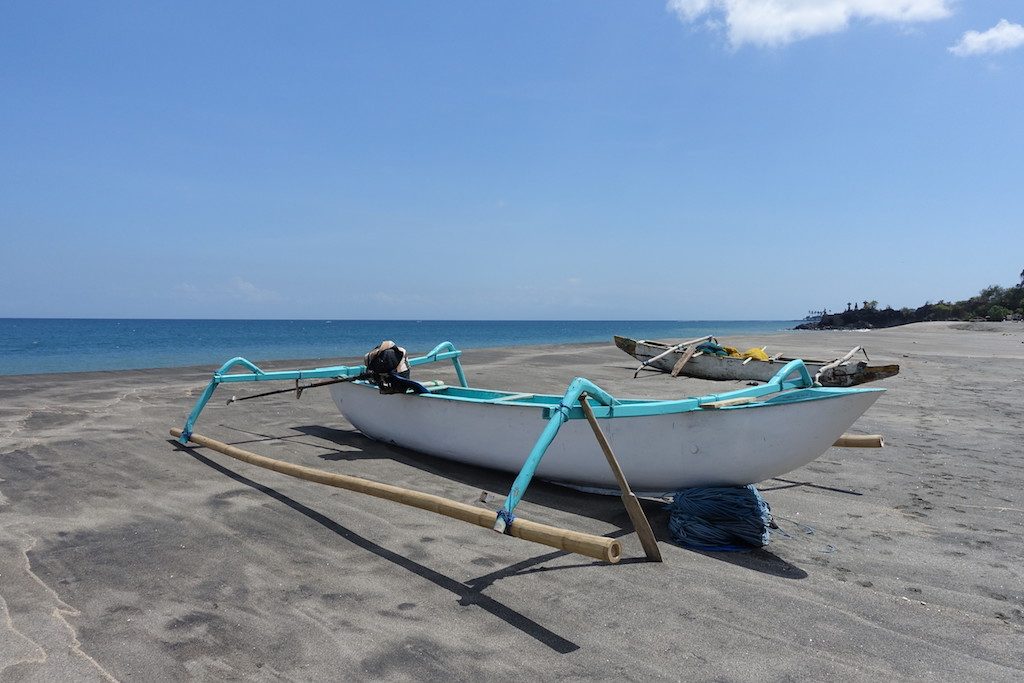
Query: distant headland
[(993, 303)]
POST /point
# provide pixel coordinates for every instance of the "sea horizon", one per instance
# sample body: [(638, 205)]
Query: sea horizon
[(56, 345), (328, 319)]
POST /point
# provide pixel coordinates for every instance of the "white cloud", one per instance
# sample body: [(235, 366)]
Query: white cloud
[(387, 298), (779, 22), (246, 291), (237, 290), (1001, 37), (187, 290)]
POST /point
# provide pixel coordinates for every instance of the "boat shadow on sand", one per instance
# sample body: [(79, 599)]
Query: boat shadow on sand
[(609, 509), (468, 592), (354, 446)]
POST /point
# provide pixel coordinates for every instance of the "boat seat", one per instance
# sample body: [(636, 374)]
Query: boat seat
[(729, 402), (513, 397)]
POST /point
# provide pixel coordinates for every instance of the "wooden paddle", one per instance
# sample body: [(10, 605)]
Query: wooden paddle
[(629, 499), (678, 367)]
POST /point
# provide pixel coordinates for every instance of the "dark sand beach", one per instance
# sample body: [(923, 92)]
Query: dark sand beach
[(124, 557)]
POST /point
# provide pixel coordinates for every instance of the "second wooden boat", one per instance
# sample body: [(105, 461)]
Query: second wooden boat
[(840, 372)]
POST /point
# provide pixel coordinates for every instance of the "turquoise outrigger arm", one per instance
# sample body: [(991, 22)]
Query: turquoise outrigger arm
[(780, 382), (443, 351), (568, 409), (578, 387)]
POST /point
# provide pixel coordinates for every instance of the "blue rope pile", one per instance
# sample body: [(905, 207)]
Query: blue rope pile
[(712, 349), (720, 518)]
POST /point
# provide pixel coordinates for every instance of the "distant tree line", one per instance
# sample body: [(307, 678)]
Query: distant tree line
[(992, 303)]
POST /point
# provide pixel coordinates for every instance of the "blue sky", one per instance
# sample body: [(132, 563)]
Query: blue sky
[(701, 159)]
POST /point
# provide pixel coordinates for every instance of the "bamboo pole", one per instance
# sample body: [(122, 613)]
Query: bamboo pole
[(598, 547), (860, 441), (298, 389), (629, 499), (837, 362), (669, 350)]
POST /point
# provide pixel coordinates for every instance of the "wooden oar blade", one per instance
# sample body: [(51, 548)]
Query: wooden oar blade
[(678, 367), (643, 528), (629, 499)]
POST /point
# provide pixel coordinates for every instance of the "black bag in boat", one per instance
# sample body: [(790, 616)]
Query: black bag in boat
[(388, 368)]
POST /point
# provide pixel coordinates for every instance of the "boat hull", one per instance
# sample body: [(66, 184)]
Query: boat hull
[(659, 453), (710, 366)]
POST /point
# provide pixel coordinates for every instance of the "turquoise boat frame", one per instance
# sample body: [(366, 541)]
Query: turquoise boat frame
[(556, 411), (443, 351)]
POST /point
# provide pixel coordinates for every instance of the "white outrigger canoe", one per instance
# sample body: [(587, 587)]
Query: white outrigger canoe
[(733, 438), (841, 372), (662, 446)]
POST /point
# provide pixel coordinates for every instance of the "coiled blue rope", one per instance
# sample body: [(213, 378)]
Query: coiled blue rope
[(720, 518)]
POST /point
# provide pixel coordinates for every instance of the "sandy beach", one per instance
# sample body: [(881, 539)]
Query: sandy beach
[(124, 557)]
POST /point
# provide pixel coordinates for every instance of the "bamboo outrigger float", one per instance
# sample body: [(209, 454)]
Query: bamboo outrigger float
[(598, 547), (734, 438)]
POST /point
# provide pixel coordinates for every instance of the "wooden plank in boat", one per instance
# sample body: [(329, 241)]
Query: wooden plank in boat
[(714, 405), (513, 397)]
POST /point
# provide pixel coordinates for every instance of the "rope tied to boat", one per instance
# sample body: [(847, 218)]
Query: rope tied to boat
[(507, 517), (720, 518)]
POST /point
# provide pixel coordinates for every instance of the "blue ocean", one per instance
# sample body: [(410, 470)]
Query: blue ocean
[(32, 345)]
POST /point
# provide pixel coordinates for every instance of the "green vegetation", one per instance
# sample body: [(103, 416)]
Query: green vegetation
[(992, 303)]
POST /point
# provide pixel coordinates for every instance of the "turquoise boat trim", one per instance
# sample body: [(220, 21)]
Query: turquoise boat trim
[(237, 360), (780, 382), (547, 405), (443, 351), (796, 365), (578, 387), (568, 408)]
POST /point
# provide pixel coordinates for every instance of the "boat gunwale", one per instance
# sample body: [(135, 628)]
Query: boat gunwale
[(549, 403)]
